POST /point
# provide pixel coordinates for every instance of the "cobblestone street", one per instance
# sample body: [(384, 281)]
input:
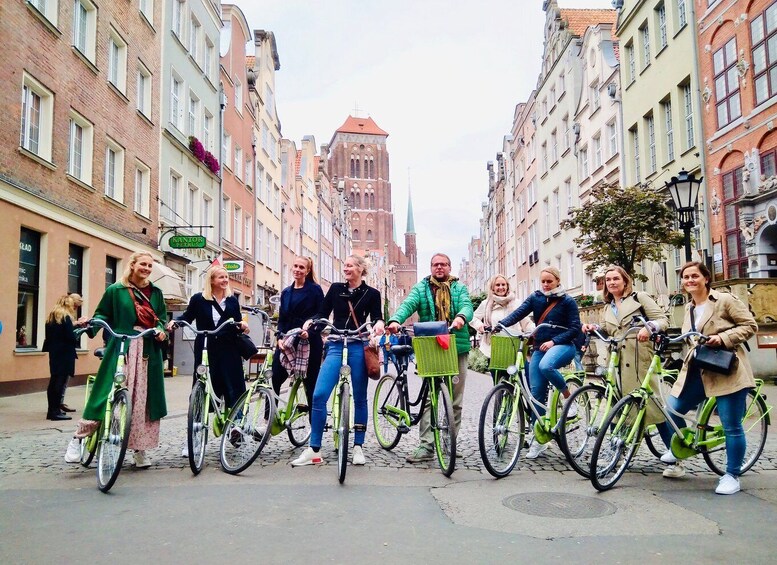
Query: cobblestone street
[(39, 447)]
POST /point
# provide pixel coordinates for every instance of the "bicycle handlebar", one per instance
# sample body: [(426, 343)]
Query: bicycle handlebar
[(612, 340), (97, 322), (654, 331), (177, 323), (342, 332), (522, 335), (256, 311)]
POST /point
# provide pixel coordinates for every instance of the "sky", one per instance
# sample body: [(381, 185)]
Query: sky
[(442, 77)]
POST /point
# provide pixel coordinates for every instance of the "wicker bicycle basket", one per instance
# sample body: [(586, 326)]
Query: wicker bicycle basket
[(503, 351), (432, 360)]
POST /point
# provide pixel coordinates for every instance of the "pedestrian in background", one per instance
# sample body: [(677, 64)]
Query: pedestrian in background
[(61, 344)]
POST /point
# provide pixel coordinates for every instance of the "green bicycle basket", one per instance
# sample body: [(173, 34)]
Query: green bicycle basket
[(504, 350), (432, 360)]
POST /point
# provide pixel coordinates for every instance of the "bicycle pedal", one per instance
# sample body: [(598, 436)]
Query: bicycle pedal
[(403, 429)]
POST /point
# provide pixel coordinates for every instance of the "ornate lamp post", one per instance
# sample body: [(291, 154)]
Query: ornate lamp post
[(684, 189)]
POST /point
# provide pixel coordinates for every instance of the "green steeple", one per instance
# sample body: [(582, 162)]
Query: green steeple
[(410, 222)]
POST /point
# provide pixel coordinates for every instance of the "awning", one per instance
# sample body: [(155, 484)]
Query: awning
[(169, 282)]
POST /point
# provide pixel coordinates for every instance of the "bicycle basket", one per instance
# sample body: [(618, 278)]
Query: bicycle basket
[(504, 350), (434, 361)]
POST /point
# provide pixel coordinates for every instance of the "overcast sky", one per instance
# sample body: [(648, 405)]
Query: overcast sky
[(442, 77)]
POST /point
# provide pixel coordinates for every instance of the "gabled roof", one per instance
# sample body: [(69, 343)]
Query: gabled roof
[(360, 125), (580, 20)]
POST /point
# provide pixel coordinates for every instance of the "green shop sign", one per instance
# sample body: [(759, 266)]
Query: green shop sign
[(187, 241)]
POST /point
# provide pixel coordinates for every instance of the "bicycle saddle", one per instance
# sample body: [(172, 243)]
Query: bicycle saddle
[(400, 350)]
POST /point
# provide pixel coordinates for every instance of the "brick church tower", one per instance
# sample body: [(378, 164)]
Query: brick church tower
[(359, 158)]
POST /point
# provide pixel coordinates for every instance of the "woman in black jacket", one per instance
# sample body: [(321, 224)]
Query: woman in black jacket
[(61, 345), (210, 308), (300, 301)]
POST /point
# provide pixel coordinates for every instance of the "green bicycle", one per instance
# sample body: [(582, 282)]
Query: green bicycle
[(109, 441), (507, 407), (592, 403), (623, 428)]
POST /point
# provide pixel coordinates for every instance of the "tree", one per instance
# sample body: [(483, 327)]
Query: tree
[(623, 226)]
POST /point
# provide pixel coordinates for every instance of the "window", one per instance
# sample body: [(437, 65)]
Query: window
[(48, 9), (682, 18), (554, 146), (210, 51), (572, 277), (194, 39), (207, 216), (238, 170), (176, 104), (190, 205), (631, 58), (147, 9), (736, 254), (260, 185), (80, 148), (724, 62), (661, 14), (268, 241), (763, 30), (584, 163), (142, 189), (114, 171), (546, 217), (179, 9), (224, 216), (556, 210), (259, 232), (650, 124), (238, 95), (247, 232), (534, 243), (532, 192), (568, 193), (612, 136), (276, 249), (269, 100), (544, 157), (75, 269), (117, 61), (227, 150), (170, 200), (595, 97), (85, 28), (597, 148), (565, 129), (562, 87), (111, 270), (645, 33), (37, 118), (207, 128), (28, 289), (688, 108), (552, 97), (249, 169), (667, 107), (194, 114), (144, 90)]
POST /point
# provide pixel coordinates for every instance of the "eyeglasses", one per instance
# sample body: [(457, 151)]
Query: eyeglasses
[(441, 264)]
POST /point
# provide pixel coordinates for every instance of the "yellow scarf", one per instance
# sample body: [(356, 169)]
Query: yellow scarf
[(442, 297)]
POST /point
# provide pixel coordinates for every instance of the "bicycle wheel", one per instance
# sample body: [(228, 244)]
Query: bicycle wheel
[(246, 430), (616, 444), (298, 426), (444, 431), (500, 430), (577, 434), (755, 425), (197, 428), (113, 447), (653, 441), (89, 448), (387, 401), (343, 431)]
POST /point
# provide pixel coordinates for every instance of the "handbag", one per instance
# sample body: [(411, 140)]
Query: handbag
[(246, 346), (715, 359), (147, 318), (371, 357)]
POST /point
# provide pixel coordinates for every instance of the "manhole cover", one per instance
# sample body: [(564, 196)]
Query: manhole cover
[(559, 505)]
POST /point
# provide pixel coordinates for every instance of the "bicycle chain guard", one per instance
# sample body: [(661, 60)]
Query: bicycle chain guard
[(680, 448), (542, 435)]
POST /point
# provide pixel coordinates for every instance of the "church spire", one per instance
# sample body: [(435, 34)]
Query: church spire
[(410, 221)]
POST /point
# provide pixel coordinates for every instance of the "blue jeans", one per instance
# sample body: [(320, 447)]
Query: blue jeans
[(731, 409), (543, 369), (327, 380)]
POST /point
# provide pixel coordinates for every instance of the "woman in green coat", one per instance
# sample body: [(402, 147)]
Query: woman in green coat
[(144, 368)]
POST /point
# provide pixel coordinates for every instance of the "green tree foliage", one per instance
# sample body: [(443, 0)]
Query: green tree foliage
[(623, 226)]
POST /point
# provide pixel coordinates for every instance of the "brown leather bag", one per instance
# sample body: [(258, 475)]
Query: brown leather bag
[(147, 318), (371, 357)]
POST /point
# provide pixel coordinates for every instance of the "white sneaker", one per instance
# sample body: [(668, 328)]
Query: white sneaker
[(308, 457), (141, 461), (185, 450), (358, 456), (668, 458), (572, 412), (73, 453), (676, 471), (536, 449), (728, 484)]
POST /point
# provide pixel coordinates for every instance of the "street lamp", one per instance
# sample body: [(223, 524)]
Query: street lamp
[(684, 189)]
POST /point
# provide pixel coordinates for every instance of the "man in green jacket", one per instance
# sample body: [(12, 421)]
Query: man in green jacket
[(439, 297)]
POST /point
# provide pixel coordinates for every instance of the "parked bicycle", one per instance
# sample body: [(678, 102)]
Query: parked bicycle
[(507, 407), (109, 441), (623, 428)]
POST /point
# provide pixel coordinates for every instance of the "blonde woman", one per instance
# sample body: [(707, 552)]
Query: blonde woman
[(61, 345), (144, 369), (498, 304)]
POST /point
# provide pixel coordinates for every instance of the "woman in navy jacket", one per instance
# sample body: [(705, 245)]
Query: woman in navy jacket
[(300, 301), (553, 347), (226, 365)]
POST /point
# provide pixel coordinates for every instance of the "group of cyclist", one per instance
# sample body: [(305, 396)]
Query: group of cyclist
[(134, 304)]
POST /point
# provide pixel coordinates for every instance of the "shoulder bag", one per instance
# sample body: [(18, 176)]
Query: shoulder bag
[(371, 357), (147, 318), (715, 359), (245, 345)]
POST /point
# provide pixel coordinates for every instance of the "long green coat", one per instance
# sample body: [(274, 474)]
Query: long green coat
[(421, 300), (117, 309)]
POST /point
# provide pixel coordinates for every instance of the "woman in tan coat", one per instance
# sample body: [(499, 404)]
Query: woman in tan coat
[(622, 304), (728, 323)]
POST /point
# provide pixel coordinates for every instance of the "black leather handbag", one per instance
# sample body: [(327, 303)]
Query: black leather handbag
[(246, 346), (714, 359)]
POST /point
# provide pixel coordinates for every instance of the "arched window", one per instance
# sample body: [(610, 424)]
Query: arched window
[(369, 235), (357, 204), (356, 235), (351, 199), (358, 172), (353, 166), (372, 167), (372, 200)]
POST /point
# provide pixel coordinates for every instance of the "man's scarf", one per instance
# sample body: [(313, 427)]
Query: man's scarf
[(442, 297)]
